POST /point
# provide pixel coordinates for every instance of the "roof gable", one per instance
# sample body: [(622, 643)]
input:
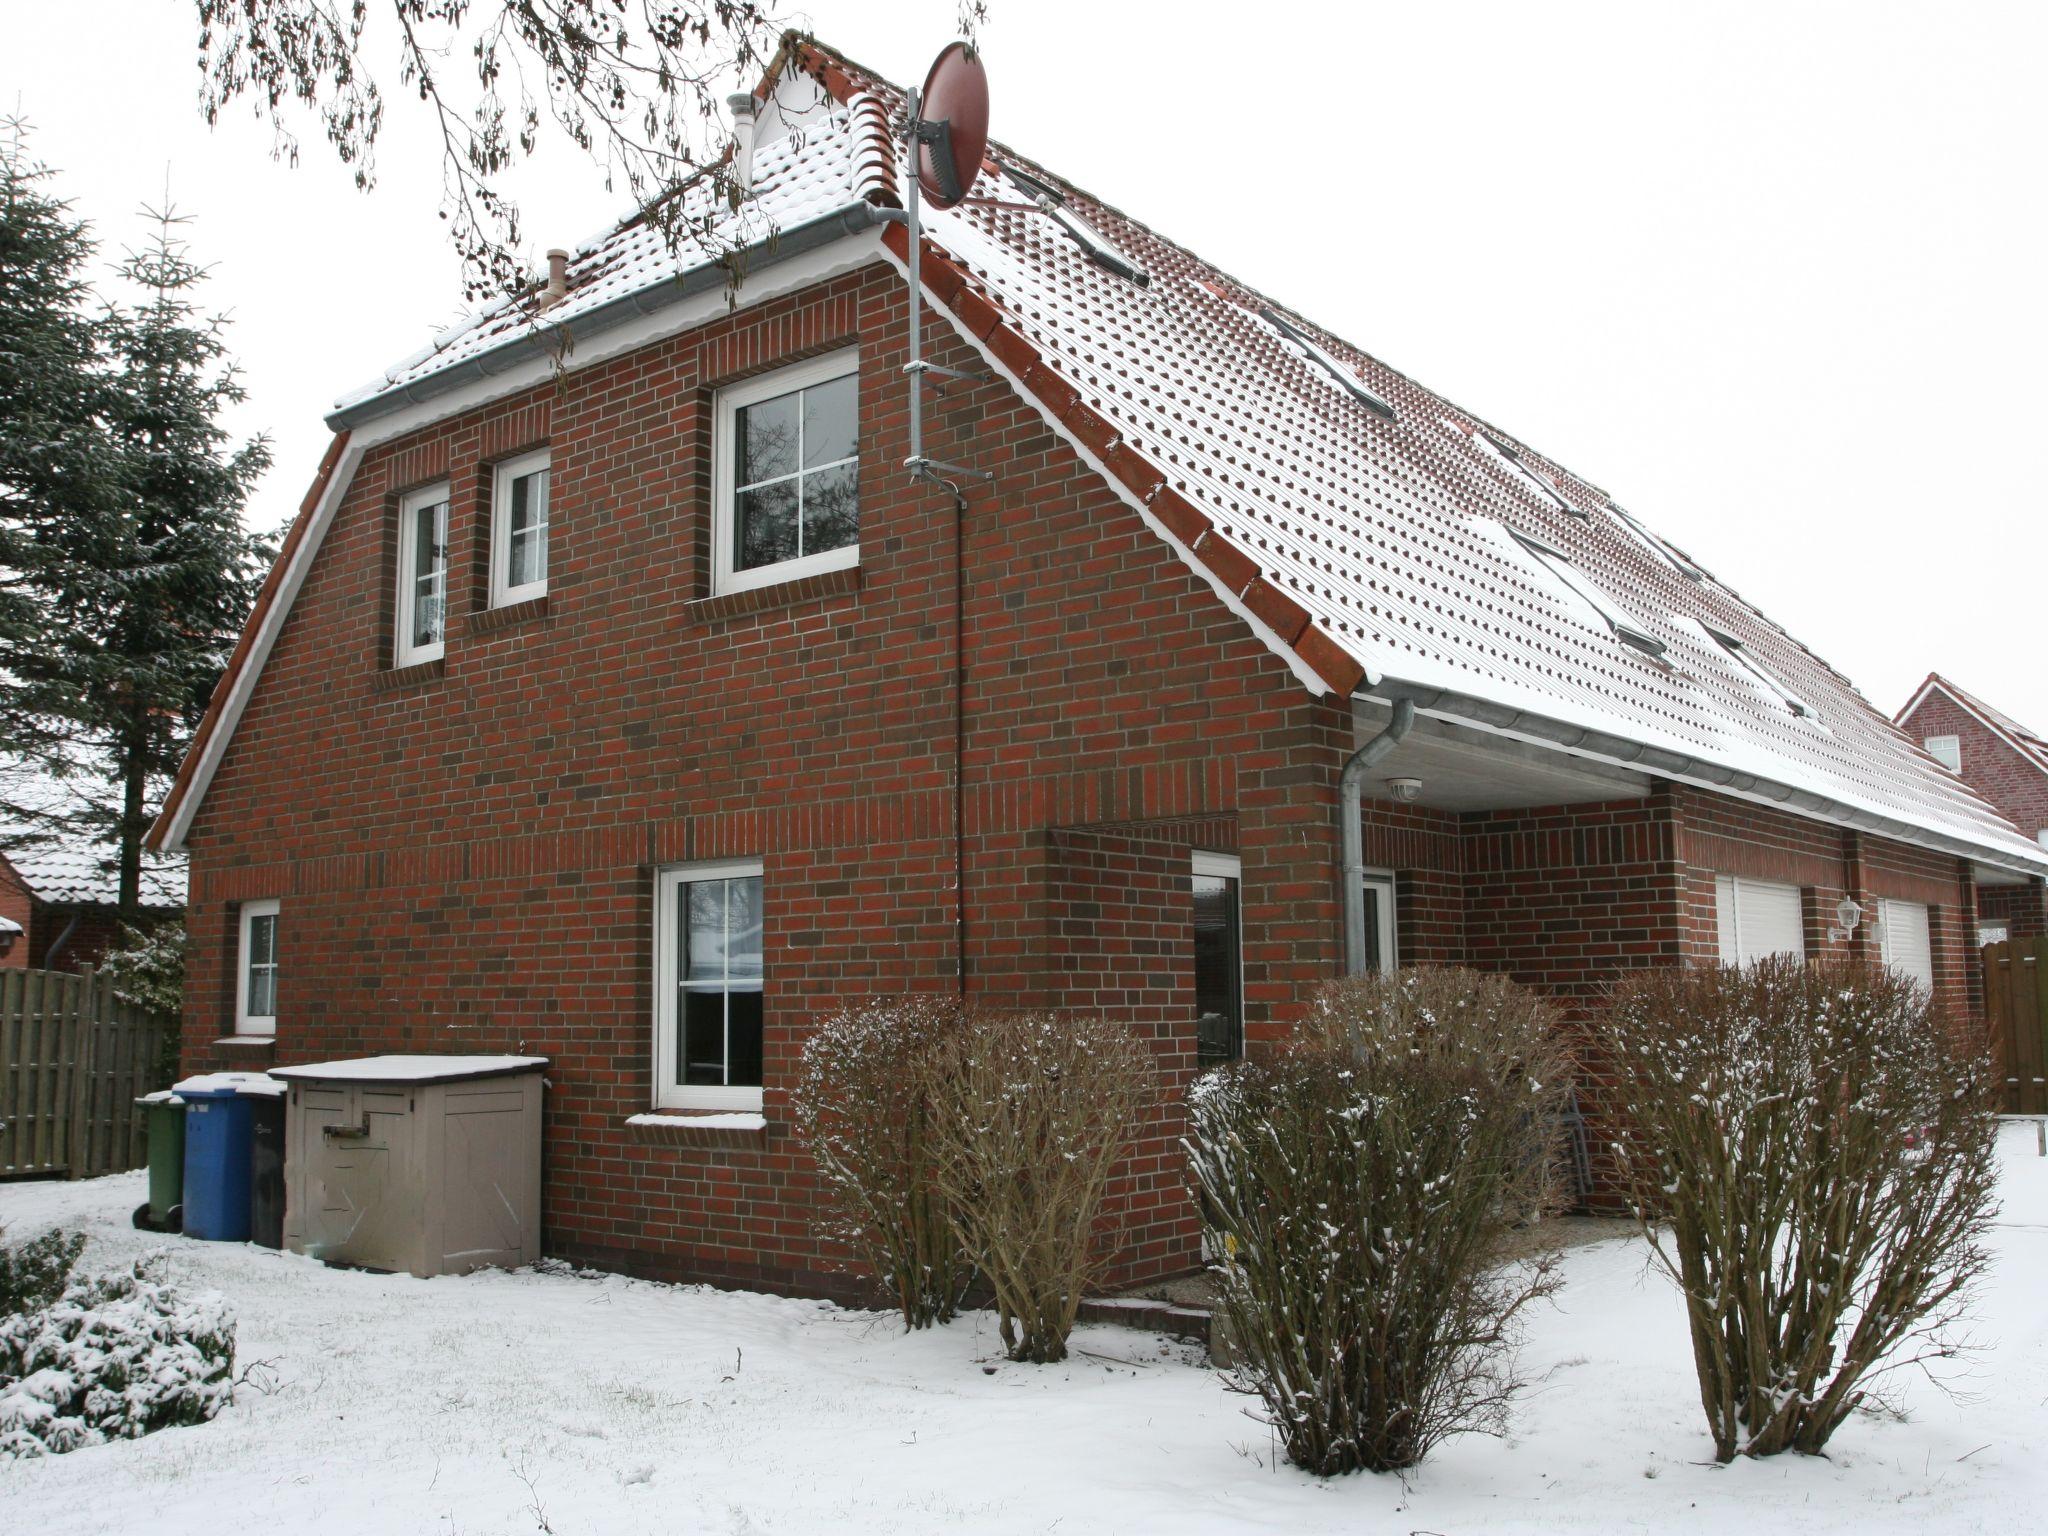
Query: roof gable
[(2032, 749)]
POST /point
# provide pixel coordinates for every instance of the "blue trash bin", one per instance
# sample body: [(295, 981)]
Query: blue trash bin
[(219, 1128)]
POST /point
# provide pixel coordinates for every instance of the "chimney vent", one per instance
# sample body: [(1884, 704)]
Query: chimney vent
[(558, 278), (745, 111)]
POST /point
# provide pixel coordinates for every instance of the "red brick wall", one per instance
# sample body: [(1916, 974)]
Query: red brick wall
[(464, 852), (1990, 764)]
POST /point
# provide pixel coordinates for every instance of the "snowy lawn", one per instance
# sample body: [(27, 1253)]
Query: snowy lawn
[(546, 1402)]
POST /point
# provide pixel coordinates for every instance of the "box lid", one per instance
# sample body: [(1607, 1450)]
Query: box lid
[(409, 1069)]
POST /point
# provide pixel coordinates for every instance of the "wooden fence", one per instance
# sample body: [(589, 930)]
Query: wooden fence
[(73, 1060), (2016, 1006)]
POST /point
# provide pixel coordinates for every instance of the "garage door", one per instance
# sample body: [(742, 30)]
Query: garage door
[(1757, 919), (1906, 943)]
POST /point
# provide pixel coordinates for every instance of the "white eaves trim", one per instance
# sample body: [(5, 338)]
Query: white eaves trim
[(1231, 600), (844, 255)]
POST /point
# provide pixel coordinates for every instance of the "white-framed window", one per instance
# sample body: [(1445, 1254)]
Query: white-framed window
[(1219, 958), (1947, 751), (422, 575), (256, 970), (1758, 918), (785, 472), (1381, 954), (707, 986), (519, 529), (1905, 939)]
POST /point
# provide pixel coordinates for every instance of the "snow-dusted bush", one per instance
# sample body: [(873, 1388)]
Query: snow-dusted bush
[(862, 1107), (1360, 1182), (33, 1274), (1811, 1152), (1030, 1113), (115, 1356)]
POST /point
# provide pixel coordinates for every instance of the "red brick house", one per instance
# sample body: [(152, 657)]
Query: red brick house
[(59, 892), (632, 711), (2001, 760)]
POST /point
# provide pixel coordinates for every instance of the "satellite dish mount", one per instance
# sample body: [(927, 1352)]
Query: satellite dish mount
[(947, 136)]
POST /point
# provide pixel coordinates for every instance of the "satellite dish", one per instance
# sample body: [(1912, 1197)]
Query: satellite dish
[(952, 125)]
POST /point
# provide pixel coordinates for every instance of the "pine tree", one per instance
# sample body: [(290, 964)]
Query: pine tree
[(59, 469), (132, 581)]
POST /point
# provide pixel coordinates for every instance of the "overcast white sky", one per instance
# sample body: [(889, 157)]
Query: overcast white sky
[(1771, 274)]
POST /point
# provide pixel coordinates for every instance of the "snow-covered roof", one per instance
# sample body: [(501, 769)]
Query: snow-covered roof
[(814, 158), (1368, 550), (67, 867)]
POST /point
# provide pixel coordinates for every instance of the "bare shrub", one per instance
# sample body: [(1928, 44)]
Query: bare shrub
[(1812, 1157), (1032, 1111), (1361, 1181), (862, 1107)]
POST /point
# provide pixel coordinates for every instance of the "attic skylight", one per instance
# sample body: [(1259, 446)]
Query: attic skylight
[(1771, 683), (1657, 546), (1510, 458), (1097, 249), (1340, 373), (1559, 565)]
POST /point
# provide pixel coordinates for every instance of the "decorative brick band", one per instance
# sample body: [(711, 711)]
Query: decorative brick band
[(405, 679)]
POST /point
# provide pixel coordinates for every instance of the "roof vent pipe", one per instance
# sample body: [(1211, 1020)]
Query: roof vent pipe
[(558, 278), (745, 113), (1351, 819)]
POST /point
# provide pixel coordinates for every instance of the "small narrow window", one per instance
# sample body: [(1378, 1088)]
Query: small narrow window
[(1757, 919), (1509, 458), (1380, 955), (1947, 751), (1657, 546), (1906, 940), (1340, 373), (256, 970), (1219, 980), (519, 530), (1098, 250), (786, 475), (422, 575), (707, 986), (1601, 606), (1769, 681)]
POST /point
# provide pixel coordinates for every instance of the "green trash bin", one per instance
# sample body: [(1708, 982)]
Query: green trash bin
[(165, 1211)]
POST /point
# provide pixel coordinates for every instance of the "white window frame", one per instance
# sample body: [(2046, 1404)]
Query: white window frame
[(404, 653), (247, 1023), (668, 1092), (1946, 750), (724, 455), (1227, 866), (1390, 952), (1728, 918), (503, 593)]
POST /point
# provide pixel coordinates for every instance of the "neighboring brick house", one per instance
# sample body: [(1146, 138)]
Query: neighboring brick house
[(2000, 759), (633, 711), (59, 892)]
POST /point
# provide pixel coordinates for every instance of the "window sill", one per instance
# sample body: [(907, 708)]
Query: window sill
[(525, 611), (420, 674), (782, 594), (698, 1128)]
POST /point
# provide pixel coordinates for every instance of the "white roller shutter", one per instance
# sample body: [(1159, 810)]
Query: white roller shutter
[(1757, 919), (1907, 945)]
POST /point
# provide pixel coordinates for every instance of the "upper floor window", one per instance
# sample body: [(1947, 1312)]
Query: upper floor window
[(1947, 751), (707, 986), (786, 475), (422, 575), (519, 529), (256, 970)]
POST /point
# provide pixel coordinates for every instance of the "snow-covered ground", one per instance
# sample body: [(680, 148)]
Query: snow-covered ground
[(548, 1402)]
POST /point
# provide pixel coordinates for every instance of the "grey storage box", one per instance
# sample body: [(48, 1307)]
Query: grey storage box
[(426, 1164)]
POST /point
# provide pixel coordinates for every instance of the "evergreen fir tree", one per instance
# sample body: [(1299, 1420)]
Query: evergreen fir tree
[(59, 469)]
